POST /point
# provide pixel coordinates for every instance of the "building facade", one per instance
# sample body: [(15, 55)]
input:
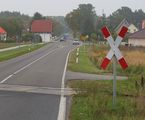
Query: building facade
[(43, 28), (137, 38), (132, 28)]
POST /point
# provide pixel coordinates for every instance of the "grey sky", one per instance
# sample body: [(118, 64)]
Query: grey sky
[(62, 7)]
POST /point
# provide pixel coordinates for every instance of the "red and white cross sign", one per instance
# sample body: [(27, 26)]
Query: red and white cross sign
[(114, 47)]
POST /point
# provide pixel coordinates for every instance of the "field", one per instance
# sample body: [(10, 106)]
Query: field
[(93, 100), (134, 56)]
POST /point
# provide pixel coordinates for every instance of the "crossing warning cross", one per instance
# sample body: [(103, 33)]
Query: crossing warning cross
[(114, 47)]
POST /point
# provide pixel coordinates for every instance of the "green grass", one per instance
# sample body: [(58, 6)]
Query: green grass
[(85, 65), (93, 100), (6, 55), (89, 64), (7, 45)]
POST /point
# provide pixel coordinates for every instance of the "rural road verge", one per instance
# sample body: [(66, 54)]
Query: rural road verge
[(12, 48)]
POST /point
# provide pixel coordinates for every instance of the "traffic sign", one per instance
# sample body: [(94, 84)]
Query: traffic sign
[(114, 52), (114, 47)]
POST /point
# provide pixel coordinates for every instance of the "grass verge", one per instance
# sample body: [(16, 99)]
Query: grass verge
[(85, 65), (93, 100), (6, 55), (7, 45)]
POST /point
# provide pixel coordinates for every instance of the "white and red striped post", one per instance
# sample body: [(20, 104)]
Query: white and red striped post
[(114, 51)]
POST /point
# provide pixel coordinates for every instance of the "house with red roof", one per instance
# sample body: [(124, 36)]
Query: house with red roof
[(43, 28), (3, 34)]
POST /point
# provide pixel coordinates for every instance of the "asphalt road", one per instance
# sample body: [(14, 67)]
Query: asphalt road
[(24, 106), (86, 76), (41, 68)]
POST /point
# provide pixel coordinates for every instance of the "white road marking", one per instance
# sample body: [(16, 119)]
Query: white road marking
[(16, 72), (62, 105), (6, 79), (62, 108)]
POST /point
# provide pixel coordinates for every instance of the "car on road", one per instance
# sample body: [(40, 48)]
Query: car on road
[(76, 42), (62, 40)]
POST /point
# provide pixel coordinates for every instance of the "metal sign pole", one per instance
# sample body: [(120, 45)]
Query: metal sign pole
[(114, 81), (115, 53)]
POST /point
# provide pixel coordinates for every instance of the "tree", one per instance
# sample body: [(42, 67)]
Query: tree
[(59, 25), (10, 15), (38, 16), (82, 19), (58, 28), (27, 37), (73, 20), (119, 15), (14, 23), (125, 12), (139, 15), (13, 26)]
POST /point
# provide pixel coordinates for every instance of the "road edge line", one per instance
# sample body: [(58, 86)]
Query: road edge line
[(62, 105)]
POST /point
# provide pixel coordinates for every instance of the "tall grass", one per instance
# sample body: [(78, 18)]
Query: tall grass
[(134, 57), (94, 101)]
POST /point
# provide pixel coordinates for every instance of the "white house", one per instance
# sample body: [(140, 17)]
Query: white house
[(132, 28), (3, 34), (137, 38), (43, 28)]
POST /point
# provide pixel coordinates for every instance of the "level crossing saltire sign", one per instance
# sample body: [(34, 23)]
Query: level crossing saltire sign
[(114, 47)]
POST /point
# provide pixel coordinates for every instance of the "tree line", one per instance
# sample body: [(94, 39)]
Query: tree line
[(85, 21), (18, 25)]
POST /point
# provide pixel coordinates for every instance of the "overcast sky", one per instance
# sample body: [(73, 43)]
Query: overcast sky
[(62, 7)]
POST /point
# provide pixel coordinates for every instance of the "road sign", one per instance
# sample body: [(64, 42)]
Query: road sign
[(114, 52), (114, 47)]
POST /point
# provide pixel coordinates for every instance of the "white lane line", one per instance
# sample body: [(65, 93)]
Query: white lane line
[(4, 80), (62, 105), (62, 108)]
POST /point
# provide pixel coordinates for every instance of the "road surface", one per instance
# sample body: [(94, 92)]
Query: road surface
[(44, 68), (86, 76)]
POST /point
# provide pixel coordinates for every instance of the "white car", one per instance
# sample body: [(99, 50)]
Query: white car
[(76, 42)]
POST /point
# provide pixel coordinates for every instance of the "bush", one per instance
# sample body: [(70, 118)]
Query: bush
[(10, 40), (27, 37)]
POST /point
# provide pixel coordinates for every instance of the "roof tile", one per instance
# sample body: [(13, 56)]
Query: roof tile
[(41, 26), (138, 35), (2, 31)]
